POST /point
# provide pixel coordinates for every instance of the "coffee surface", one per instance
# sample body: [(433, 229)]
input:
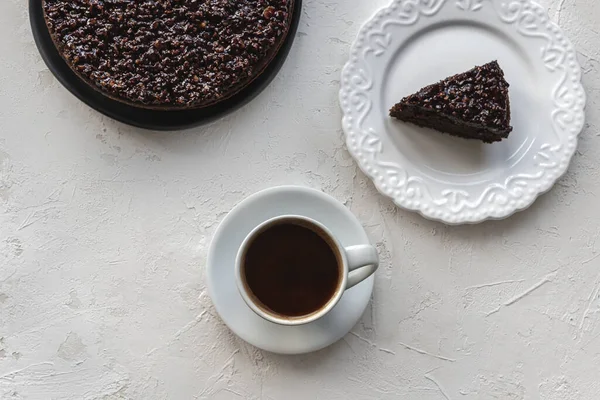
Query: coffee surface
[(291, 270)]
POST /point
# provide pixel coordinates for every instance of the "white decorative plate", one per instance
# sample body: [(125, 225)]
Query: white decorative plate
[(413, 43)]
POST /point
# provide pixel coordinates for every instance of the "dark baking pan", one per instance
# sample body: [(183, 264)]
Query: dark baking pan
[(147, 118)]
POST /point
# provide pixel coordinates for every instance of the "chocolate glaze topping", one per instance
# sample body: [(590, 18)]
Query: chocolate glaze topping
[(168, 53)]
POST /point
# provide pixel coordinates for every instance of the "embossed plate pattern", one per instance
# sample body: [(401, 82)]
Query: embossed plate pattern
[(413, 43)]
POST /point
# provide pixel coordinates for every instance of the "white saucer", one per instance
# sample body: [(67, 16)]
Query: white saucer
[(221, 264), (413, 43)]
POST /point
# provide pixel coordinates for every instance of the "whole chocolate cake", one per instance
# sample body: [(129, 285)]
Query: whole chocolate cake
[(471, 105), (168, 54)]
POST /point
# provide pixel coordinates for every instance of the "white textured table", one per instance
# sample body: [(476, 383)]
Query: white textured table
[(104, 231)]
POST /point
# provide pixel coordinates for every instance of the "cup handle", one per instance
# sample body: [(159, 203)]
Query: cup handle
[(362, 259)]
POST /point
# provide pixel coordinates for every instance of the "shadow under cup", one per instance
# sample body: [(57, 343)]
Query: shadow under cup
[(291, 270)]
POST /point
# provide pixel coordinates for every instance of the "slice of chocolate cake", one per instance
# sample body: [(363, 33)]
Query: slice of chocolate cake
[(471, 105)]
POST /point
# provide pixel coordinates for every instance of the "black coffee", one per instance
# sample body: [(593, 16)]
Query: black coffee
[(291, 270)]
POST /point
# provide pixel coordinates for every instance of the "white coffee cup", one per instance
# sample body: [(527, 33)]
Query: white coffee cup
[(356, 264)]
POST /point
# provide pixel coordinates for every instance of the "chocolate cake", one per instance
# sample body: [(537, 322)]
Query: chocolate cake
[(168, 54), (471, 105)]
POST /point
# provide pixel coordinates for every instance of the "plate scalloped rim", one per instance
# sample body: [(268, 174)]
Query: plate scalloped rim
[(454, 206)]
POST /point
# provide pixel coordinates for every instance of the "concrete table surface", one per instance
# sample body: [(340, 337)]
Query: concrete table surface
[(104, 232)]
